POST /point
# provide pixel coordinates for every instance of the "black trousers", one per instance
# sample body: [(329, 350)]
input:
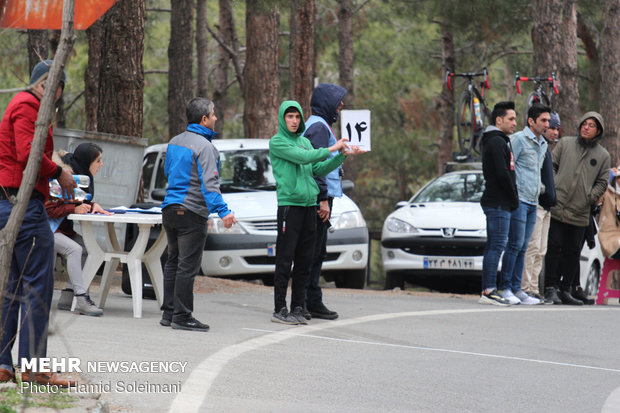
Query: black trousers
[(314, 295), (295, 243), (186, 233), (563, 252)]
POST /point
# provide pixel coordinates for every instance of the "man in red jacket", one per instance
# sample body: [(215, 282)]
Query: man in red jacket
[(31, 279)]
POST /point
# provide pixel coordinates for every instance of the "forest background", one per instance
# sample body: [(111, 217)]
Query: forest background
[(132, 72)]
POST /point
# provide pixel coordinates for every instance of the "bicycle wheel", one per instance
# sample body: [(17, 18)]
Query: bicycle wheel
[(534, 98), (465, 123)]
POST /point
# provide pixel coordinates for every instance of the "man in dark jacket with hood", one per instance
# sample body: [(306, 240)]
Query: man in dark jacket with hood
[(326, 103), (500, 195), (581, 167)]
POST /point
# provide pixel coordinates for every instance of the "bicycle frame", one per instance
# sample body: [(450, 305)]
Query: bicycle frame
[(538, 86)]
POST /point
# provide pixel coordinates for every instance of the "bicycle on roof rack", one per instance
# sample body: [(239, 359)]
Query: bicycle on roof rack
[(472, 113), (538, 95)]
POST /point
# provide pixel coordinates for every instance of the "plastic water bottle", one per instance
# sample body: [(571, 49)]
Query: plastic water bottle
[(78, 193), (477, 112), (83, 181)]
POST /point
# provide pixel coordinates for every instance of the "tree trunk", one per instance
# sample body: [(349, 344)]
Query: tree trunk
[(202, 77), (92, 73), (345, 47), (610, 77), (546, 34), (568, 72), (446, 100), (301, 67), (116, 74), (261, 77), (8, 234), (38, 47), (227, 34), (180, 89)]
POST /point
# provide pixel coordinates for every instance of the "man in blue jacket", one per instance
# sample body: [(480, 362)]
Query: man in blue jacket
[(326, 102), (192, 168)]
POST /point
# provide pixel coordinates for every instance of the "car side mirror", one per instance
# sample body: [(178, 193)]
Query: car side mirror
[(158, 194), (401, 204), (347, 185)]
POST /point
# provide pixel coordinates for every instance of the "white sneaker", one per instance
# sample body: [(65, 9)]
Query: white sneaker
[(508, 295), (527, 299)]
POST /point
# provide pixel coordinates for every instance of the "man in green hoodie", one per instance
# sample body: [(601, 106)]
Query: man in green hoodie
[(294, 163)]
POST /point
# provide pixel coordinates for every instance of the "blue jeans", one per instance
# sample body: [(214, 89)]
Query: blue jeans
[(30, 284), (522, 221), (498, 224)]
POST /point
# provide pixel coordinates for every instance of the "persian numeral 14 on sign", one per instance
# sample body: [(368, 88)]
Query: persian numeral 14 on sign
[(355, 126)]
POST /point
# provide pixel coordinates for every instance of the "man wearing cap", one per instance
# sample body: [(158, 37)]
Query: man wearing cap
[(31, 278), (537, 248), (581, 167)]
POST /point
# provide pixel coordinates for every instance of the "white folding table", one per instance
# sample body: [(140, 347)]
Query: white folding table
[(133, 258)]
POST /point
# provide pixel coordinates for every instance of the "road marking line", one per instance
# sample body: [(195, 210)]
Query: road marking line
[(442, 350), (196, 387)]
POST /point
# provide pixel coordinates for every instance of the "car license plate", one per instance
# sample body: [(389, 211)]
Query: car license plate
[(271, 250), (448, 263)]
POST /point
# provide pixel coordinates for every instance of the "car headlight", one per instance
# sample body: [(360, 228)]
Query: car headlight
[(399, 226), (215, 225), (348, 220)]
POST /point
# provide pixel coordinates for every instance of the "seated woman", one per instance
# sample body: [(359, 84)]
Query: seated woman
[(85, 160)]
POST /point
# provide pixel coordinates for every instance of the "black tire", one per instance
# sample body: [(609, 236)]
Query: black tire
[(393, 280), (352, 279), (465, 123), (593, 280)]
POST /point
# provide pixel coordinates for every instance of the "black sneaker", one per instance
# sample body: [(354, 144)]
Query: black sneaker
[(542, 299), (493, 298), (307, 314), (298, 313), (283, 317), (320, 311), (166, 320), (551, 294), (580, 295), (191, 324)]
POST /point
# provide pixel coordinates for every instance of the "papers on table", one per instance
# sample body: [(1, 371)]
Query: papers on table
[(124, 209)]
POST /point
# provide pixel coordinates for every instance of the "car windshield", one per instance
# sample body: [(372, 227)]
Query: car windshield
[(246, 170), (465, 187)]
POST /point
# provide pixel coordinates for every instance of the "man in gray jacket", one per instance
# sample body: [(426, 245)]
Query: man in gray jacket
[(581, 166)]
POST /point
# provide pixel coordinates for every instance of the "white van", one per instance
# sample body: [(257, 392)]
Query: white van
[(248, 248)]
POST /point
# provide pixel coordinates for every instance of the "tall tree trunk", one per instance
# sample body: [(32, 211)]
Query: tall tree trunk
[(180, 89), (202, 77), (610, 78), (261, 78), (8, 234), (38, 47), (116, 72), (227, 34), (345, 47), (92, 74), (546, 34), (568, 72), (446, 100), (301, 67)]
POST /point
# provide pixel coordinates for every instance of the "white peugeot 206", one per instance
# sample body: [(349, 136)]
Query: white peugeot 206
[(441, 230)]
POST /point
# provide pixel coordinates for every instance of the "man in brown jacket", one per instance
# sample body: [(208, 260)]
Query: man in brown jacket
[(581, 170)]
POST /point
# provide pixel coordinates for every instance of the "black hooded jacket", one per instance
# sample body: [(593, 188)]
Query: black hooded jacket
[(324, 103), (498, 170)]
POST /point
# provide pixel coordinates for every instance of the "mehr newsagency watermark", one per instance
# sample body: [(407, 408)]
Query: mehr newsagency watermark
[(134, 369)]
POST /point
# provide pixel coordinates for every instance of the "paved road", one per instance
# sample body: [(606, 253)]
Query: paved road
[(387, 352)]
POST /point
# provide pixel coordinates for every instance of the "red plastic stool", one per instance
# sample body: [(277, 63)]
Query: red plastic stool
[(610, 266)]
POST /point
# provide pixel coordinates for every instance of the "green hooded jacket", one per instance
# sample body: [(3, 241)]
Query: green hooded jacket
[(295, 161)]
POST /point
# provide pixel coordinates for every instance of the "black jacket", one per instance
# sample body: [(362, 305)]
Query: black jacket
[(498, 170), (548, 198)]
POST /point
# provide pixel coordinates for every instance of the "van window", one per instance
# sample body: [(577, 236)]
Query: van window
[(161, 182), (147, 168)]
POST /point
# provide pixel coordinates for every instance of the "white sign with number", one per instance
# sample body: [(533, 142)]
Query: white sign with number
[(355, 126)]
